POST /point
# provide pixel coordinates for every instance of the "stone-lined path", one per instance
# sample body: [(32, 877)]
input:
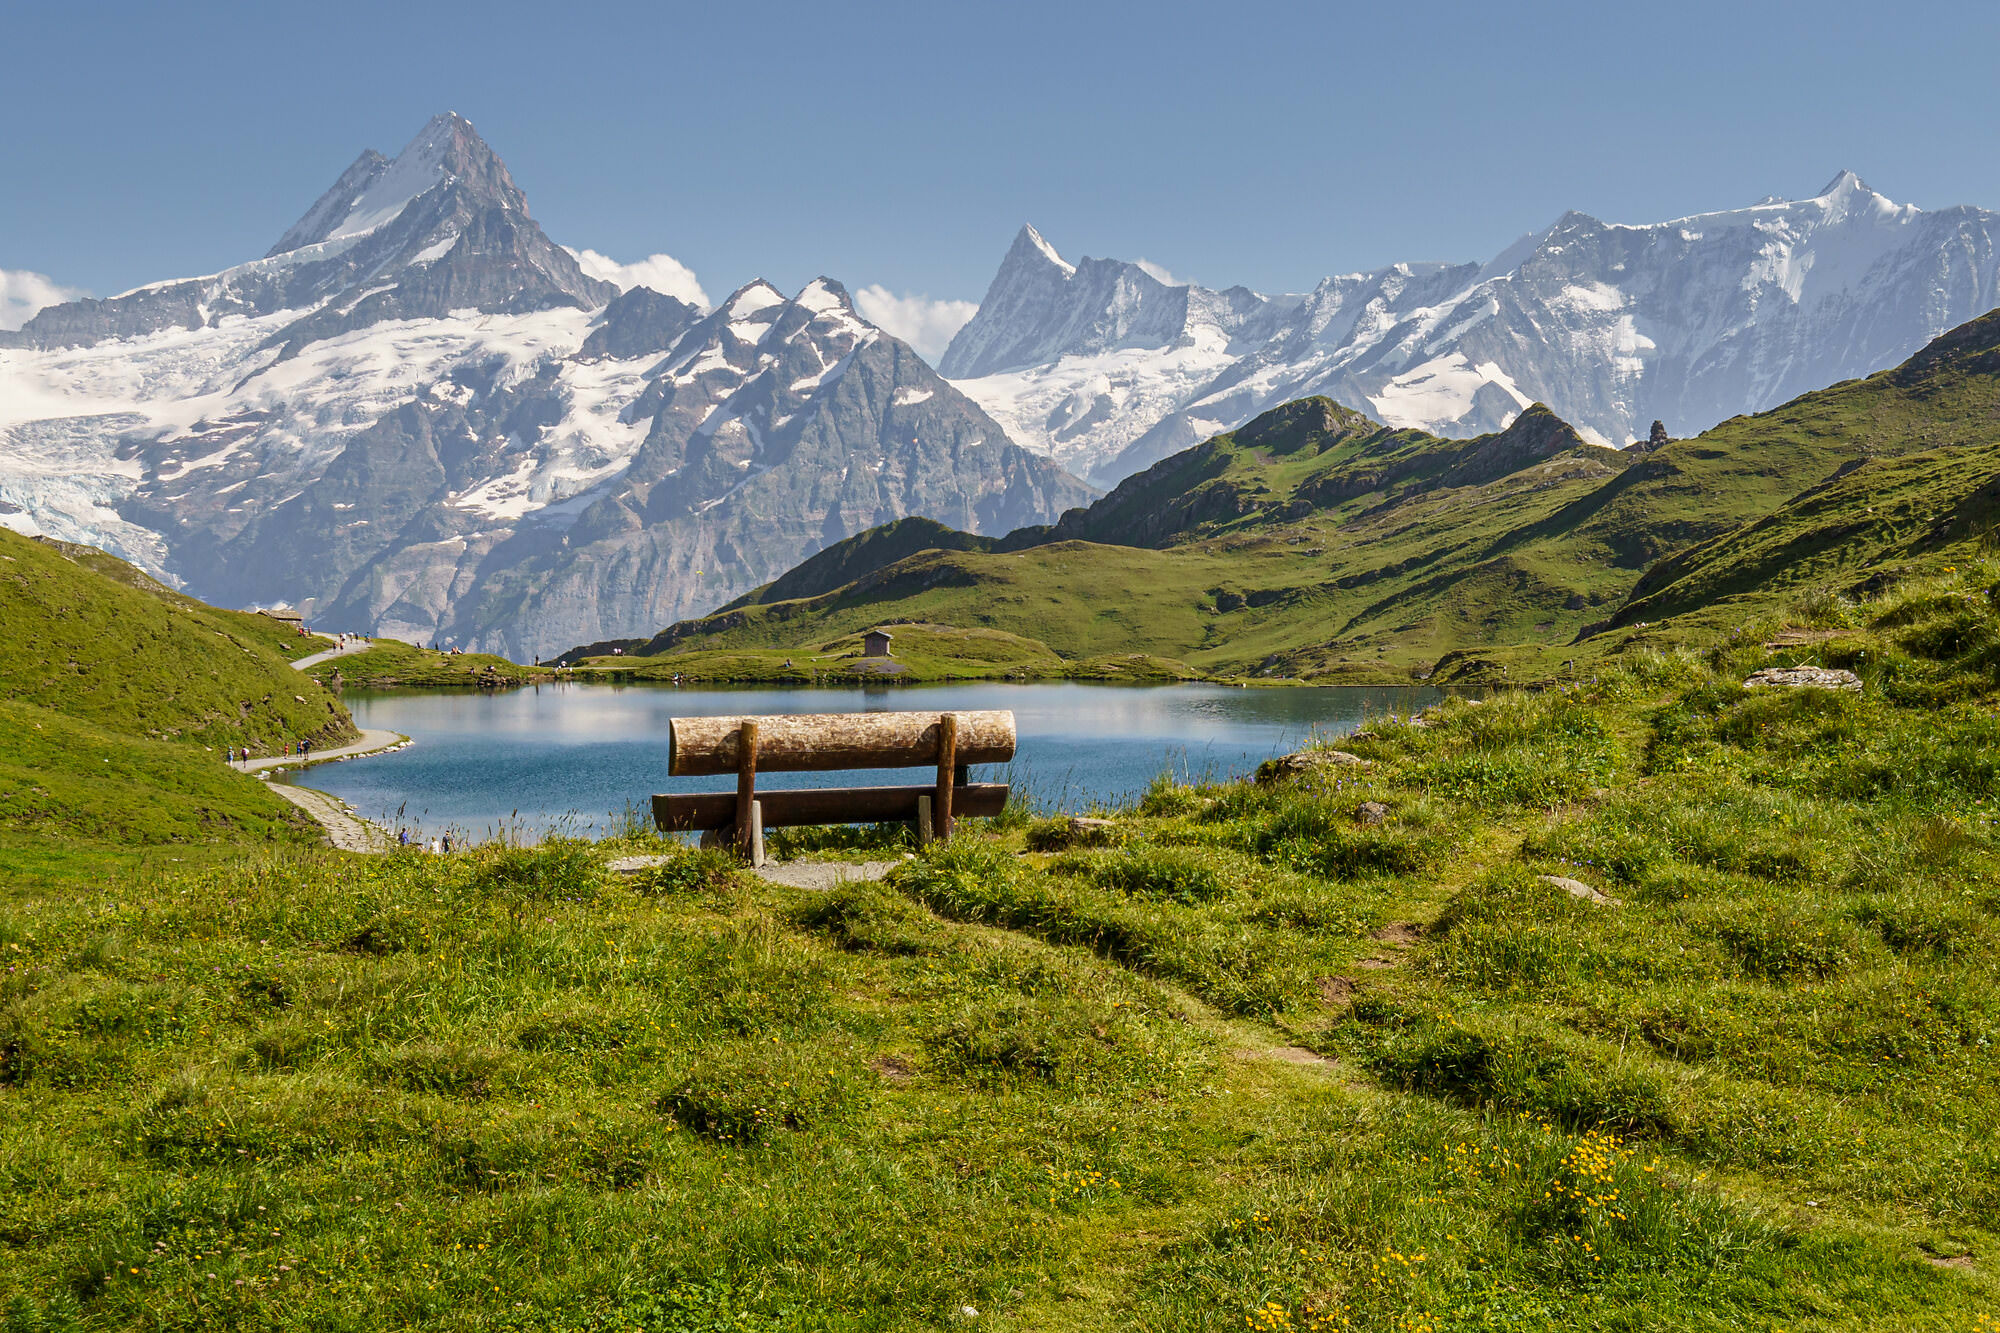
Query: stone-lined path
[(346, 830)]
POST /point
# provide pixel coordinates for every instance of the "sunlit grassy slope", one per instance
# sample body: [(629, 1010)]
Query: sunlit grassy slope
[(921, 653), (1315, 543), (1254, 1056), (392, 664), (120, 697), (127, 655)]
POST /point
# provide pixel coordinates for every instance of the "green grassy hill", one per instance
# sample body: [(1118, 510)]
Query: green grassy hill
[(142, 661), (1311, 541), (1652, 1003), (865, 552), (121, 696), (393, 664), (1315, 543)]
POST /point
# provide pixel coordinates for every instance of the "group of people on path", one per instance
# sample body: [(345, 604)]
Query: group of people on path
[(439, 845), (240, 754)]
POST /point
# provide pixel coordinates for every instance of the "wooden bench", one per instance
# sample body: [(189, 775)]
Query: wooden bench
[(827, 742)]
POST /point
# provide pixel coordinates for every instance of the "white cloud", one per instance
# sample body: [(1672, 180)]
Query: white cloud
[(924, 324), (1158, 272), (23, 293), (663, 273)]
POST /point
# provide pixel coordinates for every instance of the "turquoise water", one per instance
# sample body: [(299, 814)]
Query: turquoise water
[(578, 755)]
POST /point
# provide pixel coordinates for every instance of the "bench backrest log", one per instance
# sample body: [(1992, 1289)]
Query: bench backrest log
[(824, 742)]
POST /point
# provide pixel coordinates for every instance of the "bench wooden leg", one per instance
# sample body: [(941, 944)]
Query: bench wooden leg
[(947, 770), (923, 821), (746, 792)]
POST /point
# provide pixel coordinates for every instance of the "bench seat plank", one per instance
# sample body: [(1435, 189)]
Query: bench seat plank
[(699, 811)]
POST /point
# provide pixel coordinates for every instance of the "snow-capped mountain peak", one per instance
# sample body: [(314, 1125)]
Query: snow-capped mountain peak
[(375, 190), (1040, 307), (1029, 244), (420, 416), (823, 296), (1613, 325)]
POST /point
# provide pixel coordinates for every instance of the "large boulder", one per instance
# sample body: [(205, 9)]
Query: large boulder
[(1803, 678), (1306, 761)]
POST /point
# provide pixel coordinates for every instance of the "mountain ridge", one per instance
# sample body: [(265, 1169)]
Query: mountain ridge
[(1315, 542), (1691, 321)]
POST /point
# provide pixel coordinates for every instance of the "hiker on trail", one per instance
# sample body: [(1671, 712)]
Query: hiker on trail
[(306, 749), (447, 842), (434, 846)]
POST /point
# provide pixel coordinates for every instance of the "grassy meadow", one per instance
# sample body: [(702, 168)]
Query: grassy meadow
[(920, 654), (393, 664), (1321, 1052)]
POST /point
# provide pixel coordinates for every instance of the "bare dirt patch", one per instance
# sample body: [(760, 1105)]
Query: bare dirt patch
[(894, 1068), (1793, 638), (1401, 934), (1336, 992), (1298, 1055)]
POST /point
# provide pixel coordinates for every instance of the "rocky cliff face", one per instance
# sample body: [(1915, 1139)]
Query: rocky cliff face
[(418, 416), (1689, 322)]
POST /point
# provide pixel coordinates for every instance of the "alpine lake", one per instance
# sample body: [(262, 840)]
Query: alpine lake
[(584, 758)]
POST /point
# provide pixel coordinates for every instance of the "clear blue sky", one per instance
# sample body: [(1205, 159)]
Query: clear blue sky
[(903, 144)]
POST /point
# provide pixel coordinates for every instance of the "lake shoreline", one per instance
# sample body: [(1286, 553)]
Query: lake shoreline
[(587, 756)]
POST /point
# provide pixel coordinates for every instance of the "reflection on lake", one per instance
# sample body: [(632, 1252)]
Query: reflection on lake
[(582, 754)]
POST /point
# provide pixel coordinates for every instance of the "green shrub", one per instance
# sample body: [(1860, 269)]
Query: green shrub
[(285, 1043), (1560, 1079), (59, 1314), (865, 916), (697, 1307), (1240, 967), (748, 1092), (1318, 835), (1058, 832), (1824, 607), (1780, 942), (1046, 1040), (686, 872), (1160, 874), (1165, 798), (1917, 924), (446, 1068), (556, 868)]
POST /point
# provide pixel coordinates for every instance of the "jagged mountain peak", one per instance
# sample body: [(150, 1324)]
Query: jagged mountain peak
[(375, 190), (753, 296), (823, 295), (1031, 247), (1041, 307), (1689, 320)]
